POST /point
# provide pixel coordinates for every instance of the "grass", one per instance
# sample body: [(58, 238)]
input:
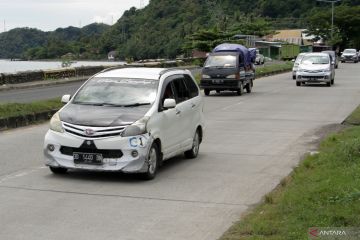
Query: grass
[(354, 118), (324, 191), (21, 109), (263, 71)]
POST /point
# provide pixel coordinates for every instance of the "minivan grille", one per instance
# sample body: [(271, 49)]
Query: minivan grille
[(93, 132), (69, 151)]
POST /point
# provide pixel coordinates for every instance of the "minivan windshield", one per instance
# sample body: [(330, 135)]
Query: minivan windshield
[(350, 51), (221, 61), (308, 60), (118, 92)]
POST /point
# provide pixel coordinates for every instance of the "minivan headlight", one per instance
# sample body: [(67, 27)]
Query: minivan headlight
[(136, 129), (55, 123)]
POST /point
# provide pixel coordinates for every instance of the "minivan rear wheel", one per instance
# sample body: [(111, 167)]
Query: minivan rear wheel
[(194, 151)]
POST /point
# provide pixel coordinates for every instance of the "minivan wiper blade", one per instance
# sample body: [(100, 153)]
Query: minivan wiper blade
[(88, 103), (137, 104)]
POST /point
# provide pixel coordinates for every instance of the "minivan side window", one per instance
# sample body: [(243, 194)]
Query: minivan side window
[(181, 92), (193, 89)]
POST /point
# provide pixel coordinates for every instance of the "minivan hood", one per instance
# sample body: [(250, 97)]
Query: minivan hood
[(101, 116)]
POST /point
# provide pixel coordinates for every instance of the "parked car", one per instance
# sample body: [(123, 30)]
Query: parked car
[(127, 120), (316, 68), (228, 68), (334, 58), (349, 55), (260, 59), (296, 64)]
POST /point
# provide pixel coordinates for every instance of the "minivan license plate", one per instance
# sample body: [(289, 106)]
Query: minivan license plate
[(218, 81), (88, 158)]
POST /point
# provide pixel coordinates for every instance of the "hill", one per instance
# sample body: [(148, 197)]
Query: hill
[(161, 28), (34, 43)]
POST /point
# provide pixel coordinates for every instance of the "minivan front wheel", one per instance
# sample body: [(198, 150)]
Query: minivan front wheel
[(152, 162), (194, 151), (58, 170)]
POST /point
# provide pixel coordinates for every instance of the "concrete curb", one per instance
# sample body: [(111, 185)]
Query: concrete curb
[(25, 120), (44, 83)]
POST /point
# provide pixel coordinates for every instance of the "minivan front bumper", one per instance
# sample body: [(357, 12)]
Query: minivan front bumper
[(118, 152), (313, 77), (220, 84)]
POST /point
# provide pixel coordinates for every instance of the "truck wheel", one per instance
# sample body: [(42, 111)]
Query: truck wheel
[(207, 92), (249, 87), (240, 91)]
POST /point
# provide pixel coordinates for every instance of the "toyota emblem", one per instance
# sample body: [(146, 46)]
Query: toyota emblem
[(89, 132)]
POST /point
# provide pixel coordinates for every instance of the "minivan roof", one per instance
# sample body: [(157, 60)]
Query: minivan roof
[(142, 73)]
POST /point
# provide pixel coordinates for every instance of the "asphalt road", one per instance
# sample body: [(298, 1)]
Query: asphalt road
[(44, 92), (251, 143)]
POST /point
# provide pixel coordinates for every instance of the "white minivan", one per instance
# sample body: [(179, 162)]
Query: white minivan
[(127, 120)]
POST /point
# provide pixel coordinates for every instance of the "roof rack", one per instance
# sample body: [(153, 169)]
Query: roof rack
[(169, 70), (113, 68)]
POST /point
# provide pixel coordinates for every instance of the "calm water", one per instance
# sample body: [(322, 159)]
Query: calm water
[(7, 66)]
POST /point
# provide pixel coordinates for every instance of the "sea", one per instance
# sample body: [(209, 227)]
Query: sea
[(8, 66)]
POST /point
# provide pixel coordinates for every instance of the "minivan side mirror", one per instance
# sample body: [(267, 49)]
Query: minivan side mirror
[(65, 99), (169, 103)]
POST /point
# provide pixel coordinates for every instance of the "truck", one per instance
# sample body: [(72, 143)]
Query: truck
[(230, 67)]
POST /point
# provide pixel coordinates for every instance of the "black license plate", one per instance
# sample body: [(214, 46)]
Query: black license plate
[(88, 158), (218, 81)]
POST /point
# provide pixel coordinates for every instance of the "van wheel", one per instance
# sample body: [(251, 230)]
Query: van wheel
[(153, 163), (332, 81), (58, 170), (298, 84), (207, 92), (249, 87), (218, 91), (240, 91), (194, 151), (328, 84)]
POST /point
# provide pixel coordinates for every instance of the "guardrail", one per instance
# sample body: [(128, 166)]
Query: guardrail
[(40, 75)]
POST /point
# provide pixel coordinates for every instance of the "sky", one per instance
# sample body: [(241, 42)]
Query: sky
[(48, 15)]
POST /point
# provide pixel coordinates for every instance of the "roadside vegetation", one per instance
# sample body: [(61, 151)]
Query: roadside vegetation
[(323, 191), (21, 109)]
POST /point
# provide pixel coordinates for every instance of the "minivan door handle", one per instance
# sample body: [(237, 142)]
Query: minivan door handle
[(178, 112), (193, 105)]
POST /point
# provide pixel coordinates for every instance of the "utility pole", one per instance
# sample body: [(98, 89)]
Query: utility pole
[(332, 14)]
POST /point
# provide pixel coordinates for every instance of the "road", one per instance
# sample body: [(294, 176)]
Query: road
[(44, 92), (251, 143)]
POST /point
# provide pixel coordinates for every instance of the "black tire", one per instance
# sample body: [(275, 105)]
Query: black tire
[(332, 81), (328, 84), (240, 91), (298, 84), (194, 151), (342, 61), (153, 163), (207, 92), (58, 170), (249, 87), (294, 77), (218, 91)]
